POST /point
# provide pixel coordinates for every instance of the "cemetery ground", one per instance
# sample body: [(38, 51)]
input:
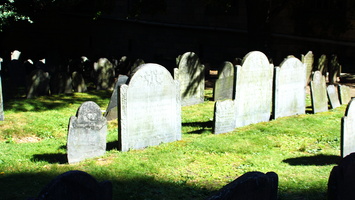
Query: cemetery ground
[(301, 149)]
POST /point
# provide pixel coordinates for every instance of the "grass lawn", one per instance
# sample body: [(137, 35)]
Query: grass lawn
[(301, 149)]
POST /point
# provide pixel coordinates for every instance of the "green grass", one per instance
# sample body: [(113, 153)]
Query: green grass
[(301, 149)]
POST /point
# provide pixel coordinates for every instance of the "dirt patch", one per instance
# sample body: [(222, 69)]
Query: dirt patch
[(30, 139)]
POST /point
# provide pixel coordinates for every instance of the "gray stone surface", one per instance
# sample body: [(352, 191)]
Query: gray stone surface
[(344, 94), (105, 74), (86, 133), (333, 96), (308, 59), (111, 110), (224, 116), (224, 85), (323, 65), (79, 84), (149, 108), (61, 83), (38, 83), (334, 69), (348, 130), (250, 186), (191, 76), (75, 185), (254, 89), (290, 88), (319, 93), (2, 115)]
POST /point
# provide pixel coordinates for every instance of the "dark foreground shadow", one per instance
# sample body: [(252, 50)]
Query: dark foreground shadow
[(318, 160), (206, 126)]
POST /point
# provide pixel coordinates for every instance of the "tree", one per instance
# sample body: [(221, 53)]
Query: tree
[(8, 13)]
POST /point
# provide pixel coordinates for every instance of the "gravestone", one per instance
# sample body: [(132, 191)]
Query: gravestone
[(250, 186), (136, 64), (75, 185), (289, 90), (308, 59), (348, 130), (61, 83), (323, 65), (254, 89), (86, 133), (319, 93), (191, 76), (78, 82), (344, 94), (224, 85), (333, 96), (341, 182), (334, 69), (105, 74), (38, 83), (111, 110), (224, 116), (2, 116), (149, 108)]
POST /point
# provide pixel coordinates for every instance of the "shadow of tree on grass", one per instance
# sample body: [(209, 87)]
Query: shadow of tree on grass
[(318, 160)]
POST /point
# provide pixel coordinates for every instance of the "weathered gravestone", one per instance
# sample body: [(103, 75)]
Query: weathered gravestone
[(334, 69), (308, 59), (344, 94), (191, 76), (289, 90), (2, 116), (224, 85), (149, 108), (348, 130), (136, 64), (224, 116), (61, 83), (333, 96), (111, 111), (322, 65), (253, 89), (319, 93), (75, 185), (105, 74), (86, 133), (250, 186), (79, 82), (341, 183), (38, 83)]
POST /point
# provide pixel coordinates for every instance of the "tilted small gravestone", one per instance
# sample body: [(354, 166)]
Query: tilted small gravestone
[(344, 94), (224, 116), (224, 85), (105, 74), (341, 183), (86, 133), (61, 83), (78, 82), (111, 111), (348, 130), (75, 185), (308, 59), (334, 69), (149, 108), (333, 96), (254, 84), (191, 76), (250, 186), (2, 116), (38, 83), (289, 90), (319, 93)]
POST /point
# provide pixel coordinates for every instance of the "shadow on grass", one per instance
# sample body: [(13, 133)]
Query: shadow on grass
[(318, 160), (53, 158), (205, 126), (44, 103)]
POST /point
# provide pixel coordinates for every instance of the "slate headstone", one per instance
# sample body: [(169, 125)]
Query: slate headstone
[(348, 130), (308, 59), (224, 116), (341, 183), (79, 84), (319, 93), (2, 116), (254, 89), (75, 185), (333, 96), (191, 76), (86, 133), (149, 108), (224, 85), (111, 110), (38, 83), (289, 89), (250, 186), (105, 74), (344, 94)]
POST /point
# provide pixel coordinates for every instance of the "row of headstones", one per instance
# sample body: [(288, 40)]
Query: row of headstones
[(259, 92)]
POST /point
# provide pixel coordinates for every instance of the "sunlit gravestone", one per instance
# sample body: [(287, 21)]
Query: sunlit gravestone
[(319, 93), (224, 85), (348, 130), (149, 107)]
